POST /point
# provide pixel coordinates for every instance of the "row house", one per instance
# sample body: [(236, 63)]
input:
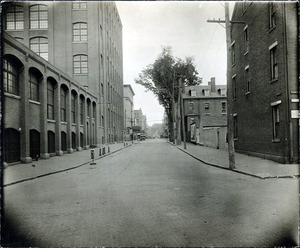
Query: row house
[(205, 107), (264, 80)]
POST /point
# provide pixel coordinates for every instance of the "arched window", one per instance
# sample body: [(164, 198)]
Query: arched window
[(80, 64), (73, 108), (81, 110), (38, 17), (15, 18), (10, 78), (34, 86), (63, 104), (50, 100), (80, 31), (40, 46)]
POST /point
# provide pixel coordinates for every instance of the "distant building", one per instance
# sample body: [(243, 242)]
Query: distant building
[(138, 117), (204, 107), (128, 111), (63, 77), (264, 72)]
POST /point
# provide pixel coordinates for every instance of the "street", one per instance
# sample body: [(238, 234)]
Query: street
[(151, 194)]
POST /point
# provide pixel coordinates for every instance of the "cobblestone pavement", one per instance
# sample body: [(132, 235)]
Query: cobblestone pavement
[(151, 194)]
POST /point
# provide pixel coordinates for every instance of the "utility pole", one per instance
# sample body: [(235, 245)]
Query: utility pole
[(182, 112), (230, 128)]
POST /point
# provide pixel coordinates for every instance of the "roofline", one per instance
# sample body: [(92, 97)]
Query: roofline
[(128, 85)]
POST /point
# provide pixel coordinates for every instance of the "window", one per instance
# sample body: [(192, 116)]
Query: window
[(206, 105), (272, 15), (94, 110), (234, 87), (38, 17), (40, 46), (235, 126), (273, 61), (81, 110), (63, 104), (102, 89), (223, 92), (246, 39), (191, 105), (247, 79), (224, 107), (15, 18), (10, 78), (50, 100), (79, 5), (33, 86), (233, 53), (275, 113), (102, 121), (73, 107), (80, 64), (193, 93), (206, 92), (88, 109), (80, 31)]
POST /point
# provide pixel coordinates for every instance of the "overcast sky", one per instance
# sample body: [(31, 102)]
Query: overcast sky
[(148, 26)]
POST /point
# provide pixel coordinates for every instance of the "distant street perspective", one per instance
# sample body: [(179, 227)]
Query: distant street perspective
[(150, 194), (150, 124)]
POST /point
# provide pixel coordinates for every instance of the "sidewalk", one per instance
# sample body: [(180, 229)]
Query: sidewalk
[(249, 165), (23, 172)]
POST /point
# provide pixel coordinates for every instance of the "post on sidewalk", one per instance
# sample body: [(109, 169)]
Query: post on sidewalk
[(93, 157), (229, 92)]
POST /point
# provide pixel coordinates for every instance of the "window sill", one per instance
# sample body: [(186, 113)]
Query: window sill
[(233, 65), (247, 93), (271, 29), (74, 124), (34, 102), (12, 95), (79, 74), (246, 53), (38, 29), (14, 30), (51, 121), (224, 113), (234, 99), (80, 42), (235, 139), (207, 114), (275, 140), (274, 80), (63, 123)]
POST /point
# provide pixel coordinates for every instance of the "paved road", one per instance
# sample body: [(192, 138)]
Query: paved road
[(151, 194)]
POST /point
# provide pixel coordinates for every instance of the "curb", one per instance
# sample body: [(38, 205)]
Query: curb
[(221, 167), (62, 170), (238, 171)]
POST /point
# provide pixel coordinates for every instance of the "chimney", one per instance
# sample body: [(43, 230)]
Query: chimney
[(213, 84)]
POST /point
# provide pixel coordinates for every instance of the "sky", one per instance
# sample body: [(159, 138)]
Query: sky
[(150, 25)]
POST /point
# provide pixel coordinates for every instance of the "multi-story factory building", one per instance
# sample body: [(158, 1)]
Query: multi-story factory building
[(62, 77)]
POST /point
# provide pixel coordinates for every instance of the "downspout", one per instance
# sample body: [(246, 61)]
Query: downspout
[(288, 115)]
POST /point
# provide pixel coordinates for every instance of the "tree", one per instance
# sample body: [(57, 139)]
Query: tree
[(162, 78)]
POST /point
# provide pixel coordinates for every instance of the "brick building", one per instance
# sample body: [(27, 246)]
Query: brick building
[(204, 107), (62, 77), (128, 111), (265, 93)]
